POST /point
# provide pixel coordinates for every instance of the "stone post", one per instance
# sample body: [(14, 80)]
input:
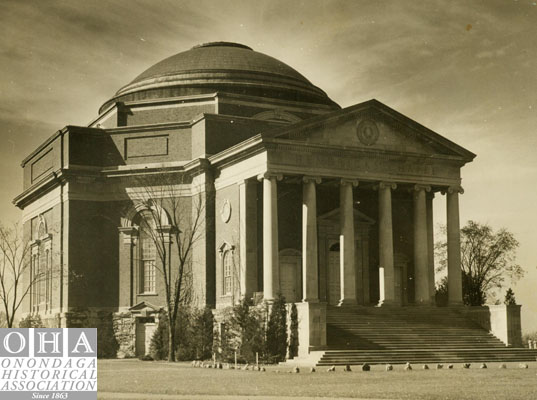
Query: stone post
[(454, 246), (421, 257), (346, 242), (386, 267), (310, 281), (271, 269)]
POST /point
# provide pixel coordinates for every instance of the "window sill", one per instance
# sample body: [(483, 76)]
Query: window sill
[(148, 294)]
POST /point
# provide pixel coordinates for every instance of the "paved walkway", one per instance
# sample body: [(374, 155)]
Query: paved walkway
[(147, 396)]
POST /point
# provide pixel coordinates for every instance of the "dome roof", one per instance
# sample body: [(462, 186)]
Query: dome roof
[(221, 66)]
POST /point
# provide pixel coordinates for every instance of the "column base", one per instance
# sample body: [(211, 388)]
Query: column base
[(424, 304), (347, 302), (388, 303)]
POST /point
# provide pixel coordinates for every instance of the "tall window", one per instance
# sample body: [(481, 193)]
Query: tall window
[(148, 253), (228, 264)]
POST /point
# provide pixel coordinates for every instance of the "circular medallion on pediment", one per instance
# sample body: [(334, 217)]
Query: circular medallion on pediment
[(225, 211), (367, 132)]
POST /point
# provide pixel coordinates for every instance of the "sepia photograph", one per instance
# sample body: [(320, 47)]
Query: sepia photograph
[(268, 199)]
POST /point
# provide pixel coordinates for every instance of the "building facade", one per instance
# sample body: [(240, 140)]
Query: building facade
[(329, 206)]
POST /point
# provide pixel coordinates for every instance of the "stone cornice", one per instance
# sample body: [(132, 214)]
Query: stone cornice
[(342, 151)]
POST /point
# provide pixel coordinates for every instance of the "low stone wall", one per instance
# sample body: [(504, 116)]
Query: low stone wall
[(124, 327), (503, 321)]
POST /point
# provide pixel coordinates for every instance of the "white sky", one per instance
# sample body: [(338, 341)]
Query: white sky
[(466, 69)]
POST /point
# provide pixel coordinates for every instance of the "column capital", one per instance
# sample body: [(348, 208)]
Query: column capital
[(352, 182), (418, 187), (315, 179), (386, 185), (269, 175), (453, 189), (130, 234)]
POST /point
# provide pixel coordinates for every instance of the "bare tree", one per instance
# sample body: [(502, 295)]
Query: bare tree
[(488, 260), (16, 279), (174, 221)]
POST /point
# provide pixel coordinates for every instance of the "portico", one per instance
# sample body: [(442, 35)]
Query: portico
[(346, 235), (344, 212)]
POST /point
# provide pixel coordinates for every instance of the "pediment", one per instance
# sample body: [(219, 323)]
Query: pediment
[(371, 126), (144, 307), (333, 217)]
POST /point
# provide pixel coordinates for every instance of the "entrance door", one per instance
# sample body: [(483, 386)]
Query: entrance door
[(290, 275), (334, 283), (144, 333)]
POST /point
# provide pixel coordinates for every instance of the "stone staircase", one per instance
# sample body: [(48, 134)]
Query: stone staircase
[(356, 335)]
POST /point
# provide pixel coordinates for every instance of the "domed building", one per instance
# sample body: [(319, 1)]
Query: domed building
[(232, 165)]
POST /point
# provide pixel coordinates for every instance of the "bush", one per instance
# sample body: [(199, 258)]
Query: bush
[(441, 295), (293, 336), (203, 326), (528, 336), (31, 321), (509, 297), (107, 345), (193, 335), (244, 332), (159, 341), (276, 345)]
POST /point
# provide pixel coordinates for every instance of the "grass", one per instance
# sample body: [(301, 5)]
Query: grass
[(133, 376)]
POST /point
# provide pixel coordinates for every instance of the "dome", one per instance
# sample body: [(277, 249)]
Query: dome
[(221, 66)]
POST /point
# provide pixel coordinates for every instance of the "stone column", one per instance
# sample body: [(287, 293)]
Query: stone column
[(386, 267), (248, 237), (454, 246), (310, 271), (421, 257), (271, 268), (430, 246), (346, 243)]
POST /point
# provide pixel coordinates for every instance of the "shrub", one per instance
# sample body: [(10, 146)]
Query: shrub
[(193, 335), (159, 341), (528, 336), (31, 321), (107, 345), (276, 345), (509, 297), (293, 336), (242, 331), (441, 295), (203, 325)]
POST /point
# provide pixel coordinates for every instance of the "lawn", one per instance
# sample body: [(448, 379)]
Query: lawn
[(133, 376)]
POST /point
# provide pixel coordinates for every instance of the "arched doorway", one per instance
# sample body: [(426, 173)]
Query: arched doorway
[(291, 275)]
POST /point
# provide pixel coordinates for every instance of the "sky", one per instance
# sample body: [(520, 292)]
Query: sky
[(465, 69)]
